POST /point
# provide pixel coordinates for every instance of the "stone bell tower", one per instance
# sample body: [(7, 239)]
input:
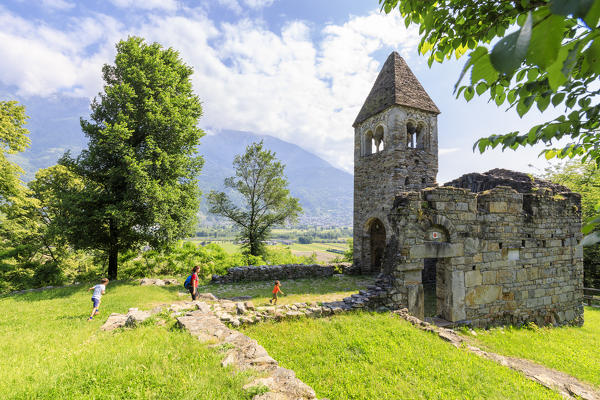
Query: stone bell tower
[(395, 150)]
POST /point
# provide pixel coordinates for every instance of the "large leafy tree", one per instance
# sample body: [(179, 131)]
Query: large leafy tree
[(550, 56), (260, 180), (584, 178), (545, 52), (139, 171), (17, 207)]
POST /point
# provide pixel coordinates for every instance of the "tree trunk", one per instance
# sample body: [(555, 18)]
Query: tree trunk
[(113, 251), (113, 254)]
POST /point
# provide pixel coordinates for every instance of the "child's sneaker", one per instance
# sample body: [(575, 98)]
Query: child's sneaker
[(90, 318)]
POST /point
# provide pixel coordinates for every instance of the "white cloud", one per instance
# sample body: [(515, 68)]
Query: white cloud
[(249, 78), (256, 4), (167, 5), (233, 5), (58, 4)]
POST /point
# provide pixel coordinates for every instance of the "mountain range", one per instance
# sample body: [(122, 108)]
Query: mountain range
[(325, 192)]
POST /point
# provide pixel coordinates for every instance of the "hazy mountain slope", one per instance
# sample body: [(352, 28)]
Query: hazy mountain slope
[(325, 192)]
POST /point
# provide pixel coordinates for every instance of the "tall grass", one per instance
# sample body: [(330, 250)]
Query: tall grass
[(574, 350), (378, 356), (49, 351)]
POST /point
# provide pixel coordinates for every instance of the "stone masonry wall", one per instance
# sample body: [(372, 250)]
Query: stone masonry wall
[(379, 177), (502, 257), (281, 272)]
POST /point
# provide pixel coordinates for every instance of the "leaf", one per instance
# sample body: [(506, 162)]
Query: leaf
[(545, 42), (555, 76), (549, 154), (593, 15), (512, 96), (469, 93), (557, 99), (577, 8), (543, 102), (474, 56), (500, 99), (592, 56), (524, 105), (508, 54), (480, 88), (483, 70)]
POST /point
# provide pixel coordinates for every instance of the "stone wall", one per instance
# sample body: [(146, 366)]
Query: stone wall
[(503, 257), (379, 176), (281, 272)]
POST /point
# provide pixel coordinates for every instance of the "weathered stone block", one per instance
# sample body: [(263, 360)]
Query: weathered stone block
[(483, 294), (473, 278), (488, 277), (498, 207)]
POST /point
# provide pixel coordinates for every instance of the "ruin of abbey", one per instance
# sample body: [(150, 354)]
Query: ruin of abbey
[(485, 249)]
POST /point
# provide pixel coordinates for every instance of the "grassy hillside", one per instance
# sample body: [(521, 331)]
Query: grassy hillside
[(49, 351), (378, 356), (574, 350)]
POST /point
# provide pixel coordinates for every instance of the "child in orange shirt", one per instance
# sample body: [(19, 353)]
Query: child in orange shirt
[(276, 290)]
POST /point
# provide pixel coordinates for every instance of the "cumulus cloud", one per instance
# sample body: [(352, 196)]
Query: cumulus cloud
[(256, 4), (283, 83), (233, 5), (58, 4), (167, 5)]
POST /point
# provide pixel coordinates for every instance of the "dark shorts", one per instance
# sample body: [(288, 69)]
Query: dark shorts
[(194, 297), (96, 302)]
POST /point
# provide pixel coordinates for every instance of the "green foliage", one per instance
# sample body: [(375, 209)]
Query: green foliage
[(379, 356), (554, 57), (349, 254), (139, 171), (583, 178), (573, 350), (305, 239), (259, 179)]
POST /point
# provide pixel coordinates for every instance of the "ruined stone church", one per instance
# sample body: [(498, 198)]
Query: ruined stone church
[(485, 249)]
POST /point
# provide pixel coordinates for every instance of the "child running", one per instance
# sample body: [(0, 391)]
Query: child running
[(276, 290), (99, 290)]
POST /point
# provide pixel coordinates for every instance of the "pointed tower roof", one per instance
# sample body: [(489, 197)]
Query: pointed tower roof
[(395, 84)]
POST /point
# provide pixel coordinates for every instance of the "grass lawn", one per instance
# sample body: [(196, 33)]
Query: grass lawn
[(379, 356), (49, 351), (296, 290), (574, 350)]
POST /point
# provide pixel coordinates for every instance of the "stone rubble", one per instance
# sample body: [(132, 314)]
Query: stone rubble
[(158, 282)]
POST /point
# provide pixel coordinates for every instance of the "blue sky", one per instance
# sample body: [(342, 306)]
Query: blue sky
[(297, 70)]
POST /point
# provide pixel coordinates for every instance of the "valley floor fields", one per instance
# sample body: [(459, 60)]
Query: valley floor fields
[(50, 351), (321, 251)]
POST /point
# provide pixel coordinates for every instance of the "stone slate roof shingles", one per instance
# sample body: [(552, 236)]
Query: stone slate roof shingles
[(395, 84)]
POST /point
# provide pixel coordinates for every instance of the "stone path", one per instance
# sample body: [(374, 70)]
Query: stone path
[(206, 323), (568, 386)]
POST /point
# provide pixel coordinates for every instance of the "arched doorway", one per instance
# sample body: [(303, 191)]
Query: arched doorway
[(377, 244)]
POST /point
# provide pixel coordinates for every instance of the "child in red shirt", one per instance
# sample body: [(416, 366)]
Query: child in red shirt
[(276, 290)]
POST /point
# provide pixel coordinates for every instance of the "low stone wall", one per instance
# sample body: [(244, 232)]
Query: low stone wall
[(281, 272)]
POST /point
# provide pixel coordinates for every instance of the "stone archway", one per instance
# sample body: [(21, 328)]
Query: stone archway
[(377, 242)]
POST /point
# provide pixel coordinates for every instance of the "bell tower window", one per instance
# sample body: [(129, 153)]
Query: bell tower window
[(411, 131), (378, 139)]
